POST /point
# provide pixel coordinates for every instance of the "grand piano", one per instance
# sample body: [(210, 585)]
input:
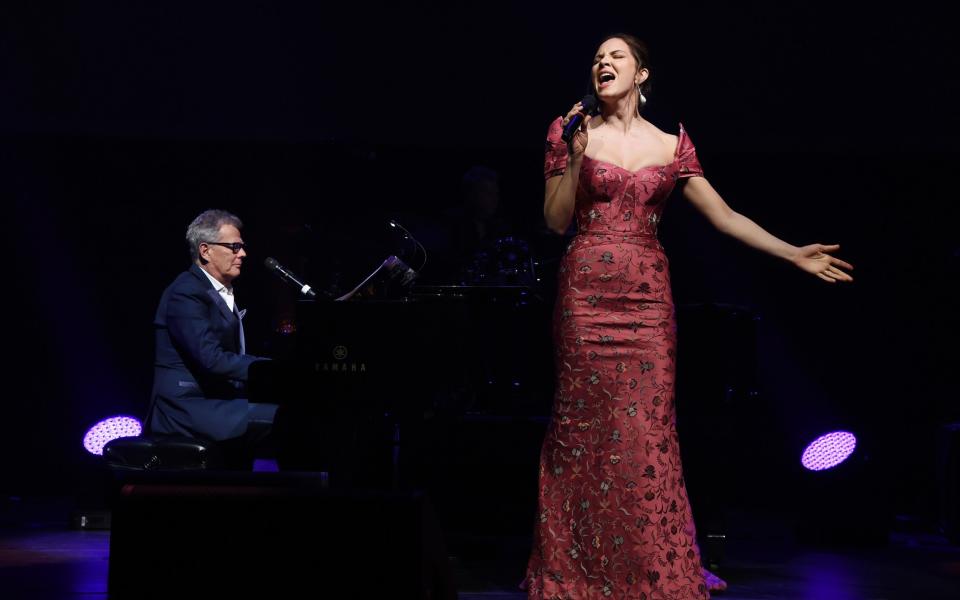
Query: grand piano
[(367, 380)]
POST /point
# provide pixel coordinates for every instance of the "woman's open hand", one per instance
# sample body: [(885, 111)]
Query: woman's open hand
[(816, 259)]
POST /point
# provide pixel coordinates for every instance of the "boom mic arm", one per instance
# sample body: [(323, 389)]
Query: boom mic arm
[(274, 266)]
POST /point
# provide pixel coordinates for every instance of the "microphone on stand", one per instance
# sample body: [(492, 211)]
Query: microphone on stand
[(272, 265), (407, 234)]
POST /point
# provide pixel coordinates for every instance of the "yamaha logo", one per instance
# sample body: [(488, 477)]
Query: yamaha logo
[(340, 352)]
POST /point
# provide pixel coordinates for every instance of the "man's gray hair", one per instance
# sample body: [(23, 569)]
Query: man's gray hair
[(206, 228)]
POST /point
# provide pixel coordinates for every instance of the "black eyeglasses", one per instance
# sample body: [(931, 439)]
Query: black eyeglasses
[(234, 246)]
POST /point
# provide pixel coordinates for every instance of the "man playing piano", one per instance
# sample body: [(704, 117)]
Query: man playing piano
[(201, 365)]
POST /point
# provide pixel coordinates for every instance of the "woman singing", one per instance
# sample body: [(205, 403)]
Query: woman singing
[(613, 517)]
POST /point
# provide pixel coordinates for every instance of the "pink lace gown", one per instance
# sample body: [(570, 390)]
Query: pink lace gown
[(613, 517)]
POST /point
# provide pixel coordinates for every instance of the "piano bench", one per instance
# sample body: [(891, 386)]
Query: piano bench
[(167, 453)]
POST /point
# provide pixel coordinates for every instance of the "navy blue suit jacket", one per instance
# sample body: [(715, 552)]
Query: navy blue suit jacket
[(199, 371)]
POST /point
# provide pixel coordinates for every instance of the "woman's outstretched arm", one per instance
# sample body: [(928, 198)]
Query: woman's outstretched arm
[(813, 258)]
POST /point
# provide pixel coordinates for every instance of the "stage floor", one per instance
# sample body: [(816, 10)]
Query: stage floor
[(42, 557)]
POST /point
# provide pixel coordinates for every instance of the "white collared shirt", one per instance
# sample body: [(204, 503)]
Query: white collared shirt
[(225, 292)]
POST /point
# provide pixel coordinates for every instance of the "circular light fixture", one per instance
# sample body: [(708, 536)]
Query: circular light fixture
[(110, 429), (828, 450)]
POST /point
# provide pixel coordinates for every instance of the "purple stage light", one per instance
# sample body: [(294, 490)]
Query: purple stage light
[(110, 429), (828, 450)]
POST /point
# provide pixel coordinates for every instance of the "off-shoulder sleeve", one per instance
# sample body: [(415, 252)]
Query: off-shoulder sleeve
[(555, 161), (687, 163)]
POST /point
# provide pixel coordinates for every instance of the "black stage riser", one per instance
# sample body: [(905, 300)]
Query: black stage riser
[(204, 536)]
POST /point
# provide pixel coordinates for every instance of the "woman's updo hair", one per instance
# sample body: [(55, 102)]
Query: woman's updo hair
[(640, 52)]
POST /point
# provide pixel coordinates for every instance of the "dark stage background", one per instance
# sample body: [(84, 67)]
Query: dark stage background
[(121, 121)]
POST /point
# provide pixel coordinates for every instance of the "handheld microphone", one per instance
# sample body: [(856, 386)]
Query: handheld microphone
[(272, 264), (589, 102), (413, 239)]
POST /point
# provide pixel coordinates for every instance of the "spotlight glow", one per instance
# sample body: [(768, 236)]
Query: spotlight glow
[(109, 429), (828, 450)]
